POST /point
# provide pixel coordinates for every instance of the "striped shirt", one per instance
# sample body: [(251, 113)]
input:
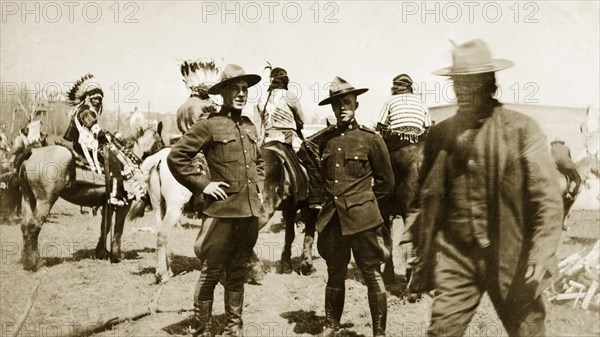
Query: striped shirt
[(405, 113)]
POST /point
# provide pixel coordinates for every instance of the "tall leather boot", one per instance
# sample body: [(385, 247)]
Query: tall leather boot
[(378, 306), (334, 306), (203, 316), (234, 303)]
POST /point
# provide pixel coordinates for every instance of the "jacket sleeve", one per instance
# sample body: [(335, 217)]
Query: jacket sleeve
[(543, 204), (383, 176), (181, 155)]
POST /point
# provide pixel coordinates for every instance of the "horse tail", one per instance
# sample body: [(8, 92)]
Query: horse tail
[(137, 208), (148, 166), (25, 190)]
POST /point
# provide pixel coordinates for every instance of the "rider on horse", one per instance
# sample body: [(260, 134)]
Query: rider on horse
[(280, 130), (404, 114), (86, 134)]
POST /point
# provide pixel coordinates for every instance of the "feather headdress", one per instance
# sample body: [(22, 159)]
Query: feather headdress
[(85, 86), (199, 75)]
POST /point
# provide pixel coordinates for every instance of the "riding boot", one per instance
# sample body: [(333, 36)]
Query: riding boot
[(203, 317), (234, 303), (378, 306), (334, 306)]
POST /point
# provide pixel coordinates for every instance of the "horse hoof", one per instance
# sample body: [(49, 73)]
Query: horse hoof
[(307, 268), (162, 278), (34, 265), (412, 297), (102, 254), (116, 258), (285, 267)]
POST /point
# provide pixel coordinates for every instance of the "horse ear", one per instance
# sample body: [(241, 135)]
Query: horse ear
[(159, 128)]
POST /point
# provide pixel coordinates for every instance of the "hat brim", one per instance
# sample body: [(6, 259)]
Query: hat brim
[(496, 65), (251, 80), (330, 99)]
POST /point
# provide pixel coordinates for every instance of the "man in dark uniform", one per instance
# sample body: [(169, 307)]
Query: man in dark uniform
[(357, 179), (233, 197)]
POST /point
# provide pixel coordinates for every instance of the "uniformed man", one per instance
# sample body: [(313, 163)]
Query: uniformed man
[(232, 197), (357, 177)]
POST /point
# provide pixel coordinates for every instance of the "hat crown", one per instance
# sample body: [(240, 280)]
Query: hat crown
[(339, 85), (471, 53), (473, 57), (231, 70)]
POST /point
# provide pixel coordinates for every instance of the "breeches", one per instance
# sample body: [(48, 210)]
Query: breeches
[(224, 245), (367, 247), (462, 274)]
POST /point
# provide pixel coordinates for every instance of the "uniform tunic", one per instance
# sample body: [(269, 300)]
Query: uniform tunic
[(230, 147)]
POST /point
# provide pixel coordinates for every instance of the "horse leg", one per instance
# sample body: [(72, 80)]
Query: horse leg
[(289, 218), (389, 275), (116, 253), (310, 220), (163, 254), (34, 216), (101, 251)]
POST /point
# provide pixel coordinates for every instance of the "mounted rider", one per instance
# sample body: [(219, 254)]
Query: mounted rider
[(198, 75), (86, 135), (280, 132), (404, 117)]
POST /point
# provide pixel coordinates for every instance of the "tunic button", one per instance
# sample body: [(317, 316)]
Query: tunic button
[(248, 166), (335, 198), (342, 134), (249, 181), (339, 149), (337, 165), (242, 137), (335, 181), (355, 157), (245, 151)]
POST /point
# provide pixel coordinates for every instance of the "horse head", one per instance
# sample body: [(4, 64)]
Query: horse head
[(148, 141)]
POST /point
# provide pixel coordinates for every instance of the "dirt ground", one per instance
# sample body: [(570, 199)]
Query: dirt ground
[(77, 290)]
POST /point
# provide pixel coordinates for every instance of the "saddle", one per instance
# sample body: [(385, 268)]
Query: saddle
[(295, 180)]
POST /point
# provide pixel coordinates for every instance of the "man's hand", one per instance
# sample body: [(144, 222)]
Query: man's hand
[(214, 190), (533, 277)]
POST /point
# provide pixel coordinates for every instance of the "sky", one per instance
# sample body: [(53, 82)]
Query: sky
[(134, 47)]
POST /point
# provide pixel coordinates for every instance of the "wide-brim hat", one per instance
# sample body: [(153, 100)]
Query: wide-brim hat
[(473, 57), (231, 74), (340, 87)]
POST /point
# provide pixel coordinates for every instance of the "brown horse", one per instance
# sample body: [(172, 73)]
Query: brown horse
[(286, 190), (49, 173)]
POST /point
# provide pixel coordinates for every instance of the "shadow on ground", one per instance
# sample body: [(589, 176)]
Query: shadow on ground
[(90, 254), (307, 322), (187, 326)]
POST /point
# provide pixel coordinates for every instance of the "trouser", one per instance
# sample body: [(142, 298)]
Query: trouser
[(367, 247), (224, 245), (462, 274)]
